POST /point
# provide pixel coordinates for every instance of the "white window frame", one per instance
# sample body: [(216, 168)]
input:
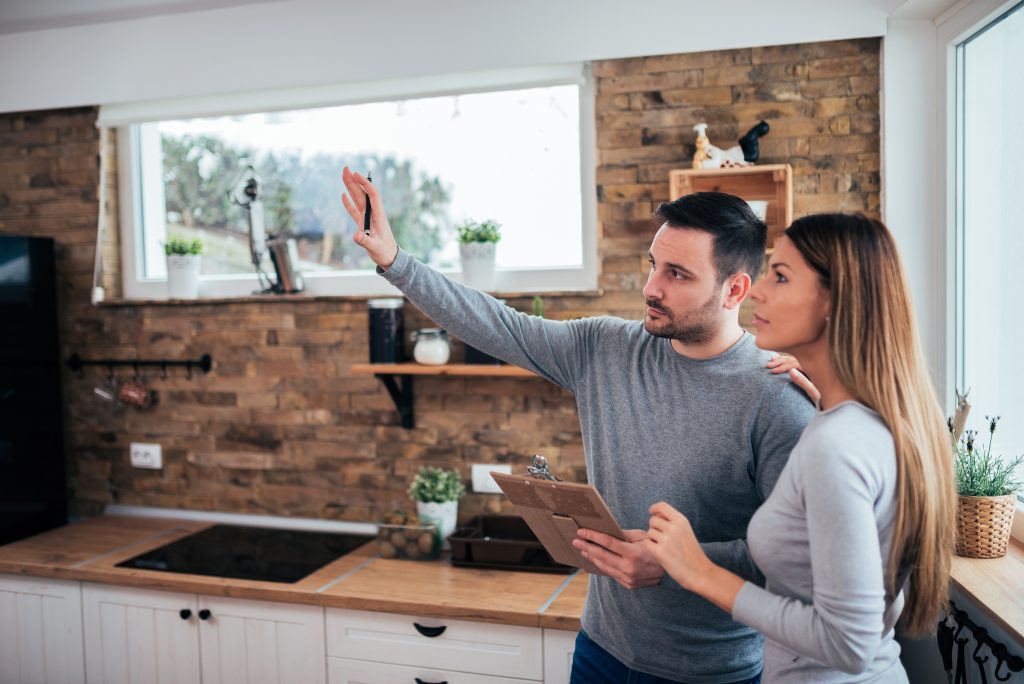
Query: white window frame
[(953, 28), (138, 202)]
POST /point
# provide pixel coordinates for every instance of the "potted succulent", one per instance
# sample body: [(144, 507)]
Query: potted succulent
[(987, 490), (437, 492), (184, 257), (477, 243)]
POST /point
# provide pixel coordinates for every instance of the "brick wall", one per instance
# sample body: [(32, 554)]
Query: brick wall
[(280, 426)]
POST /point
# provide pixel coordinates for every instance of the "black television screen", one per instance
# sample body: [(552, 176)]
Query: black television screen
[(15, 270)]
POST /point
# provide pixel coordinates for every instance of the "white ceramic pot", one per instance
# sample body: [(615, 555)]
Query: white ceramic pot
[(183, 275), (441, 514), (477, 264)]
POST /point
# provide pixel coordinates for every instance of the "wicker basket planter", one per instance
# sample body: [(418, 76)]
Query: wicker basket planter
[(983, 525)]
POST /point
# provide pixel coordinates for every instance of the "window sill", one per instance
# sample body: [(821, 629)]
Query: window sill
[(265, 298), (994, 584)]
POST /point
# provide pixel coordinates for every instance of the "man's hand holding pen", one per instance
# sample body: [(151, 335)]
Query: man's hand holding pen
[(380, 243)]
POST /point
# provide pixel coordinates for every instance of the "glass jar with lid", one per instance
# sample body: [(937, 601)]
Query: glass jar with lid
[(432, 347)]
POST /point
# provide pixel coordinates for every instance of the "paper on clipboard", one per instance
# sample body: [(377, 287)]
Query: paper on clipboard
[(556, 510)]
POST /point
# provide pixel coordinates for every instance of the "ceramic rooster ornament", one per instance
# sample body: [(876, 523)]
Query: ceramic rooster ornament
[(743, 154)]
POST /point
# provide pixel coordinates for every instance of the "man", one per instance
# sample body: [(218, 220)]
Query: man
[(678, 407)]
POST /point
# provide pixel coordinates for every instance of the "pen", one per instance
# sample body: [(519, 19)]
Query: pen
[(366, 214)]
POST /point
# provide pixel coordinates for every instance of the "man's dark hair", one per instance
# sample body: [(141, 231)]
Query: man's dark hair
[(739, 236)]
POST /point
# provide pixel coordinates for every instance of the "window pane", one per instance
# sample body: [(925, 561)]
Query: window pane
[(992, 365), (512, 156)]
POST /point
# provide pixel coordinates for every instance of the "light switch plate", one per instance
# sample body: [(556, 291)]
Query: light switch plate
[(145, 455), (483, 483)]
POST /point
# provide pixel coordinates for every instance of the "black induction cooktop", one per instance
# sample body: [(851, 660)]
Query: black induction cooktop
[(253, 553)]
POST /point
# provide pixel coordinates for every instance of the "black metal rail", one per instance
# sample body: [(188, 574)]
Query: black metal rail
[(203, 363)]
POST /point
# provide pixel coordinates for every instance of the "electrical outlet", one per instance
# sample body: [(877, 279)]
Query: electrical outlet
[(146, 455), (483, 483)]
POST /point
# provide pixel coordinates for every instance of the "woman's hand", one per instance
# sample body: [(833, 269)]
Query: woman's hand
[(380, 243), (672, 542), (784, 363)]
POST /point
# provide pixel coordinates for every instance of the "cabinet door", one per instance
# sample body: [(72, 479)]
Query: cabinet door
[(137, 635), (40, 631), (259, 642), (559, 645)]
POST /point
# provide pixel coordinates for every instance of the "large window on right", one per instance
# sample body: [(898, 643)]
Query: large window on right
[(990, 226)]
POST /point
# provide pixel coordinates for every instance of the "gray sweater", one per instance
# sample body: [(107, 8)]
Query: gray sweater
[(822, 540), (708, 436)]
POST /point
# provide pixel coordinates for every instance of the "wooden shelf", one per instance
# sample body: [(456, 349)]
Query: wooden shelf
[(451, 369), (770, 182), (391, 374)]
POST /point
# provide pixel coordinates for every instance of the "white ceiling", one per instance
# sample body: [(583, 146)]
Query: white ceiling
[(35, 15), (32, 15)]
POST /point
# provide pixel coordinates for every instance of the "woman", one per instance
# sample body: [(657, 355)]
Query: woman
[(860, 526)]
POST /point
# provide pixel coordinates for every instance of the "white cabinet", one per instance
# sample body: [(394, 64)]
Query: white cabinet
[(259, 642), (559, 645), (373, 645), (139, 635), (40, 631), (346, 671)]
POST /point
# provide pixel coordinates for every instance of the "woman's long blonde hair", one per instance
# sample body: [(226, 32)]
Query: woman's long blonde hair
[(874, 349)]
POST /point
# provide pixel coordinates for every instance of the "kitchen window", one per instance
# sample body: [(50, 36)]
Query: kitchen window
[(515, 147), (990, 225)]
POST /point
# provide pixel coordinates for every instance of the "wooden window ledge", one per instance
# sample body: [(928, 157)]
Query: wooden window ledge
[(996, 586)]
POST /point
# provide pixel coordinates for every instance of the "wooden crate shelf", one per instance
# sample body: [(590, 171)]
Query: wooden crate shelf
[(772, 183)]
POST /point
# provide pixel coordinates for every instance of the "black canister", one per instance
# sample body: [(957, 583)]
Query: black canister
[(387, 331)]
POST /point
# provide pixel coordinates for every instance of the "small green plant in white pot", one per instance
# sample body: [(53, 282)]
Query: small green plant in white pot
[(477, 245), (184, 258), (436, 492)]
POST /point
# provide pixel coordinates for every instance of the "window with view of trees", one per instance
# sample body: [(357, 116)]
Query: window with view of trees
[(512, 156)]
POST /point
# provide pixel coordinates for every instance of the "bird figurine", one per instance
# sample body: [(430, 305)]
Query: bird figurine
[(745, 153)]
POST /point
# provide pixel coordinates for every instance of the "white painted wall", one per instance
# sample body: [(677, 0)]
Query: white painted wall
[(288, 43), (911, 159)]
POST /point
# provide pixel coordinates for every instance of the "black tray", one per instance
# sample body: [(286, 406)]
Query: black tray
[(503, 542)]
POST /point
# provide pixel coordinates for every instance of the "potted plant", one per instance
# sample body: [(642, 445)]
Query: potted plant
[(477, 242), (184, 257), (987, 491), (437, 492)]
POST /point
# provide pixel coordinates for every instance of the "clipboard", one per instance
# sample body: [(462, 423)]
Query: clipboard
[(556, 510)]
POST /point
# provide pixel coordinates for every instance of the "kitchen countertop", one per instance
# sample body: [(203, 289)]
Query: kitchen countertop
[(91, 549)]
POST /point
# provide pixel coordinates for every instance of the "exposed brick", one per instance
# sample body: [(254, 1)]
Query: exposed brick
[(281, 426)]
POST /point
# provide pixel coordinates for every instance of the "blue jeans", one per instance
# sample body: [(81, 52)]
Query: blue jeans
[(591, 664)]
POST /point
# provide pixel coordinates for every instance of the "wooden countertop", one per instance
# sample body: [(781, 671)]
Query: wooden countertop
[(995, 585), (91, 549)]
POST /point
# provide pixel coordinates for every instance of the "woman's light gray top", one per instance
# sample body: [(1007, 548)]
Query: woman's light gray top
[(822, 540)]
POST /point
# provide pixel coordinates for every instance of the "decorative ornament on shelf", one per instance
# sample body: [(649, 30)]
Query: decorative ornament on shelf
[(745, 153), (986, 486)]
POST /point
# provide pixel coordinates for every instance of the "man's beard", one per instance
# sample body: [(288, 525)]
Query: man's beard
[(698, 326)]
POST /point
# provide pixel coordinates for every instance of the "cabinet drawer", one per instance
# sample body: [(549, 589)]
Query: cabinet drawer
[(346, 671), (458, 645)]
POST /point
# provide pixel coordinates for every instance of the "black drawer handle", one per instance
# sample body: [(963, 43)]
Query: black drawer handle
[(185, 613), (420, 681), (429, 632), (204, 614)]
